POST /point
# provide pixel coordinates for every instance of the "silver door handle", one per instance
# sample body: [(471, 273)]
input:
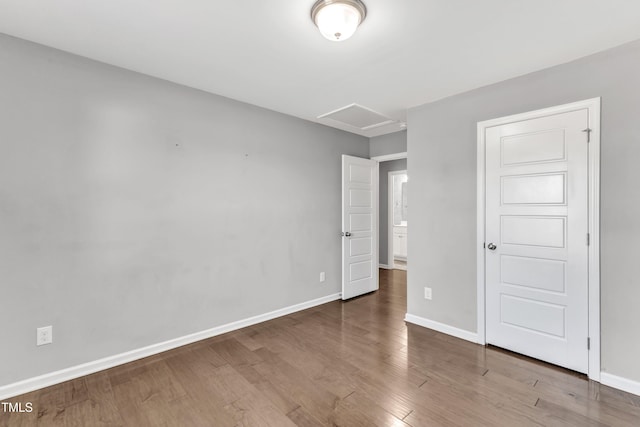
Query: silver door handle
[(491, 247), (347, 234)]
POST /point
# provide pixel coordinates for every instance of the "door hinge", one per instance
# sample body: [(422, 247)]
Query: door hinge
[(588, 239), (588, 343), (588, 131)]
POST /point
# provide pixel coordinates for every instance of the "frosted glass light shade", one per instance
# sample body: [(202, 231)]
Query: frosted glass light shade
[(338, 20)]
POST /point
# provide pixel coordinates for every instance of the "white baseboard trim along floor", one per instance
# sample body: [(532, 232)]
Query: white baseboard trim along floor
[(73, 372)]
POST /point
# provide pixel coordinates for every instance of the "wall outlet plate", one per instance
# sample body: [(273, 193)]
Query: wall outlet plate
[(427, 293), (44, 335), (323, 277)]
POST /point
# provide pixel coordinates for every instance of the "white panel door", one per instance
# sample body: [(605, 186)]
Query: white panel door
[(359, 226), (536, 233)]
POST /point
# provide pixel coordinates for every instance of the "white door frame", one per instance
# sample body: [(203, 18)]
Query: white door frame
[(593, 106), (388, 157), (390, 225), (379, 159)]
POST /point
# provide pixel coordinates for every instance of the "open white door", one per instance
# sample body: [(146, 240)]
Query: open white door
[(359, 226)]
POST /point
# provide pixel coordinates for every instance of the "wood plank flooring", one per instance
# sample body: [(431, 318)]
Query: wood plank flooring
[(352, 363)]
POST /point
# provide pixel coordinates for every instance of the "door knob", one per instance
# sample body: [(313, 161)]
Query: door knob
[(491, 247), (347, 234)]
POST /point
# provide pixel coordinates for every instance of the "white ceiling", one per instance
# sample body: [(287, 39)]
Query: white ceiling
[(269, 53)]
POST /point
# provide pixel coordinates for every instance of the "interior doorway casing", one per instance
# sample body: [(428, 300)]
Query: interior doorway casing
[(593, 107), (386, 158)]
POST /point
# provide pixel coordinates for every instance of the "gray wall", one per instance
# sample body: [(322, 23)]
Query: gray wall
[(391, 143), (133, 210), (442, 160), (385, 168)]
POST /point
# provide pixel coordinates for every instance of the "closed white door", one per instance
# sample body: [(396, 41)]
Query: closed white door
[(536, 238), (359, 226)]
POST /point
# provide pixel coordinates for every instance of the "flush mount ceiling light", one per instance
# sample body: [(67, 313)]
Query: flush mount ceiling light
[(337, 20)]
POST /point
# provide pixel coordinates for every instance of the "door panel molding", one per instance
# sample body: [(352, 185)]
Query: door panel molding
[(593, 107)]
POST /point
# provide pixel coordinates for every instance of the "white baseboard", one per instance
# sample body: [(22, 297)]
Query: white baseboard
[(441, 327), (73, 372), (385, 266), (620, 383)]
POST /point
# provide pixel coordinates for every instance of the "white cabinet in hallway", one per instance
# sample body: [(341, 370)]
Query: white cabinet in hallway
[(400, 243)]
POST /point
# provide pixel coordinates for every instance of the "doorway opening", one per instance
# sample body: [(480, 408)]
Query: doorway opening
[(397, 220), (392, 165)]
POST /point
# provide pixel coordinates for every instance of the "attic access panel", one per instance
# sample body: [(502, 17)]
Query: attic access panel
[(358, 116)]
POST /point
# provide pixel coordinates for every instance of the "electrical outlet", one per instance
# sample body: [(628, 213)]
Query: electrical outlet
[(44, 335), (427, 293), (323, 277)]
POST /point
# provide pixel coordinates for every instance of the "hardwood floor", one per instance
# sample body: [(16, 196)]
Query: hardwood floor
[(340, 364)]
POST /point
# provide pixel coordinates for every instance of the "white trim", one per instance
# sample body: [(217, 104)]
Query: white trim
[(441, 327), (400, 267), (389, 157), (593, 106), (620, 383), (390, 260), (376, 238), (594, 234), (56, 377), (480, 230), (384, 266)]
